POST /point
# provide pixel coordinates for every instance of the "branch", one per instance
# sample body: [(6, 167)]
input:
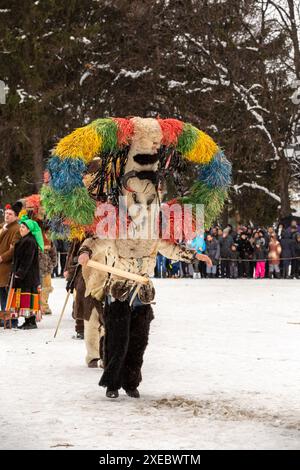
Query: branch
[(257, 186)]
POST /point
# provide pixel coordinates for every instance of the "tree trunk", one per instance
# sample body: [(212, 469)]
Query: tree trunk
[(37, 156), (284, 179), (294, 37)]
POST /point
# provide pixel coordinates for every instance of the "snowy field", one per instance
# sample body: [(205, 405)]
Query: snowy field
[(222, 371)]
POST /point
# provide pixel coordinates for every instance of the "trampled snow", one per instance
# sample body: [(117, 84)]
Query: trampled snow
[(221, 372)]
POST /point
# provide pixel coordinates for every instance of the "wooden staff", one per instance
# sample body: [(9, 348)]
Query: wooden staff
[(10, 293), (62, 312), (118, 272)]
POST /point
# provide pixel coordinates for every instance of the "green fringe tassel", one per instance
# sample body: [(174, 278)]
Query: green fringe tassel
[(107, 129), (187, 139), (51, 202), (76, 205), (213, 200), (57, 236)]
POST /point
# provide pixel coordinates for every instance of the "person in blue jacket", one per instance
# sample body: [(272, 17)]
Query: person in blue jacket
[(198, 244)]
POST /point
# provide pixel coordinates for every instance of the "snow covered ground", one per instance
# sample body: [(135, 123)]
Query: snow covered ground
[(222, 371)]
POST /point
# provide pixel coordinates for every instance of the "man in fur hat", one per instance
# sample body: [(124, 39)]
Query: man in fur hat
[(9, 235)]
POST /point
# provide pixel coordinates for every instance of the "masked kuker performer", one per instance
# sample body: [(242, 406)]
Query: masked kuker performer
[(136, 155)]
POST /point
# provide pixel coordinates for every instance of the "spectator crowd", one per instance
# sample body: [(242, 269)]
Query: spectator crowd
[(246, 252), (28, 260)]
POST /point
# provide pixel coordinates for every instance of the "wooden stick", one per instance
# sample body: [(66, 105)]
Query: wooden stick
[(62, 312), (117, 272), (10, 294), (135, 293)]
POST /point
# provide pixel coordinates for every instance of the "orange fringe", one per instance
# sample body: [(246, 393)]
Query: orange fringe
[(125, 130), (171, 129)]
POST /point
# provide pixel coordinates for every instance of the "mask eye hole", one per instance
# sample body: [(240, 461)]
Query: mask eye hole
[(134, 197)]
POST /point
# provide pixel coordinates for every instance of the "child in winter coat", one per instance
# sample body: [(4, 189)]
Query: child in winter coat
[(233, 263), (274, 256), (259, 256), (213, 251)]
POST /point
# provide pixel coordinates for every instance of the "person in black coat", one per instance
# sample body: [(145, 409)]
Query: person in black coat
[(280, 231), (62, 248), (245, 251), (26, 275), (287, 248), (26, 263), (296, 255), (225, 249)]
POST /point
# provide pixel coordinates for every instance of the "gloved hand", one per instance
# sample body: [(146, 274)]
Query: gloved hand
[(71, 281), (70, 286)]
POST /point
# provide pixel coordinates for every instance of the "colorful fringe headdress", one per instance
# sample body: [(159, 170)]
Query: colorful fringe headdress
[(70, 201), (32, 207)]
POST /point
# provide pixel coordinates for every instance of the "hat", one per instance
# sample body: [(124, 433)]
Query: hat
[(16, 207), (35, 229)]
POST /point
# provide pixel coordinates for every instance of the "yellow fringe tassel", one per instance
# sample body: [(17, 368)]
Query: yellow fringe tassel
[(203, 150), (76, 232), (82, 143), (22, 212)]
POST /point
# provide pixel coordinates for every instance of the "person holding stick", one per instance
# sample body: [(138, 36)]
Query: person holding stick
[(134, 155), (127, 306)]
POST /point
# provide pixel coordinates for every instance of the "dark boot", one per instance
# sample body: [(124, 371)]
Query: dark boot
[(79, 336), (112, 393), (133, 393), (30, 324), (93, 364)]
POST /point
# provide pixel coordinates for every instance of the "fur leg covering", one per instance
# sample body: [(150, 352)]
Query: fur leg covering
[(101, 344), (92, 337), (117, 317), (126, 338), (139, 333)]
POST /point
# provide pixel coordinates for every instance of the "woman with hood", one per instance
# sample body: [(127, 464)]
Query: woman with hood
[(24, 297)]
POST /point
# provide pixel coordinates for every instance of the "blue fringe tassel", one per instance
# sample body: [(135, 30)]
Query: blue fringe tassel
[(58, 229), (218, 173), (66, 174)]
